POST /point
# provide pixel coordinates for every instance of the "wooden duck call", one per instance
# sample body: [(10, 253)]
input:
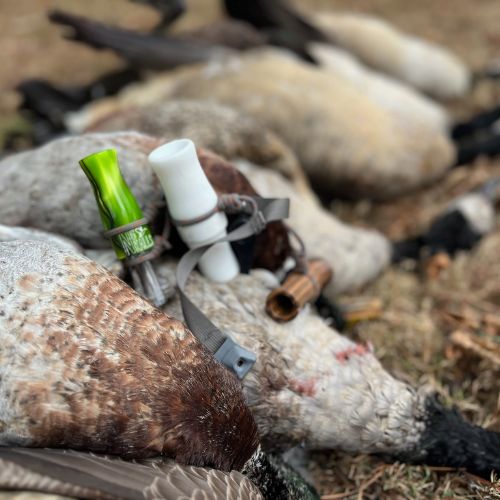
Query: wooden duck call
[(284, 303)]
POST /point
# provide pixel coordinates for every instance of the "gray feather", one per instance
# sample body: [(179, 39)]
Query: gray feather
[(85, 475)]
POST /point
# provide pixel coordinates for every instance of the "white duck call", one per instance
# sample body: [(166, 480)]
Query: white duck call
[(192, 203)]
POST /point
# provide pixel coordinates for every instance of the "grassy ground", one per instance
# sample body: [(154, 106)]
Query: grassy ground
[(413, 335)]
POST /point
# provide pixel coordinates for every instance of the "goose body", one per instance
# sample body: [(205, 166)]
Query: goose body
[(422, 64), (351, 146), (28, 197), (221, 129), (32, 197), (86, 363)]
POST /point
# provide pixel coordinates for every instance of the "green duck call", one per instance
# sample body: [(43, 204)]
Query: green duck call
[(124, 222)]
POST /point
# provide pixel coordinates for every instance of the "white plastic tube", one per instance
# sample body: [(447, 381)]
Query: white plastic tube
[(189, 194)]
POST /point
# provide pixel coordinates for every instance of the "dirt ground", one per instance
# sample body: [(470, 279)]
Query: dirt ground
[(414, 337)]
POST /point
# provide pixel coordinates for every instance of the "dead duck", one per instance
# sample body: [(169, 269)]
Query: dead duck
[(218, 128), (87, 364), (28, 198), (310, 385), (377, 156), (461, 226), (422, 64), (315, 387), (86, 390)]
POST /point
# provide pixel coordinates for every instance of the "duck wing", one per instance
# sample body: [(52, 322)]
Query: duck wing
[(90, 476), (142, 51)]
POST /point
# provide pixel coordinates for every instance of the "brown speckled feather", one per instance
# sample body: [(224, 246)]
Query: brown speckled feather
[(89, 476), (86, 363)]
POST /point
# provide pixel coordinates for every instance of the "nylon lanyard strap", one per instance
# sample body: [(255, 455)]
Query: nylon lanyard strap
[(233, 356)]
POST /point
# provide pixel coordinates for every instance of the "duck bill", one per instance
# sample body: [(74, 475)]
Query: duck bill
[(449, 441)]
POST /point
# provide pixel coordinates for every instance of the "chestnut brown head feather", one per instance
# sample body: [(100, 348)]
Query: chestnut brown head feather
[(272, 246), (86, 363)]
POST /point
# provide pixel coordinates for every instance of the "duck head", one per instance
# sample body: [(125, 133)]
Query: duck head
[(315, 387)]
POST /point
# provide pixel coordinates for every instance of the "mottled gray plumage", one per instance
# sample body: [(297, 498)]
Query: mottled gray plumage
[(221, 129), (104, 257), (315, 387), (11, 233), (312, 386), (30, 196), (46, 189), (347, 143)]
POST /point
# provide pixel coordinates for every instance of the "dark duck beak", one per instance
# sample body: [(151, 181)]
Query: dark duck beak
[(46, 105), (449, 441), (169, 10), (283, 25)]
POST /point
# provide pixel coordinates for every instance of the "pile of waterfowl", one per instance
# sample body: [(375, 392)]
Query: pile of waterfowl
[(277, 105)]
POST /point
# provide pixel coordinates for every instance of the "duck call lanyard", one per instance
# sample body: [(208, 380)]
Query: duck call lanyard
[(264, 210)]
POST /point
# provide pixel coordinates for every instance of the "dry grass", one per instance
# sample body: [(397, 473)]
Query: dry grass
[(412, 336)]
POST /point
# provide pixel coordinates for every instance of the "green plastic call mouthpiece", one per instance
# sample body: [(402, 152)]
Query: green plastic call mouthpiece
[(119, 209), (117, 205)]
